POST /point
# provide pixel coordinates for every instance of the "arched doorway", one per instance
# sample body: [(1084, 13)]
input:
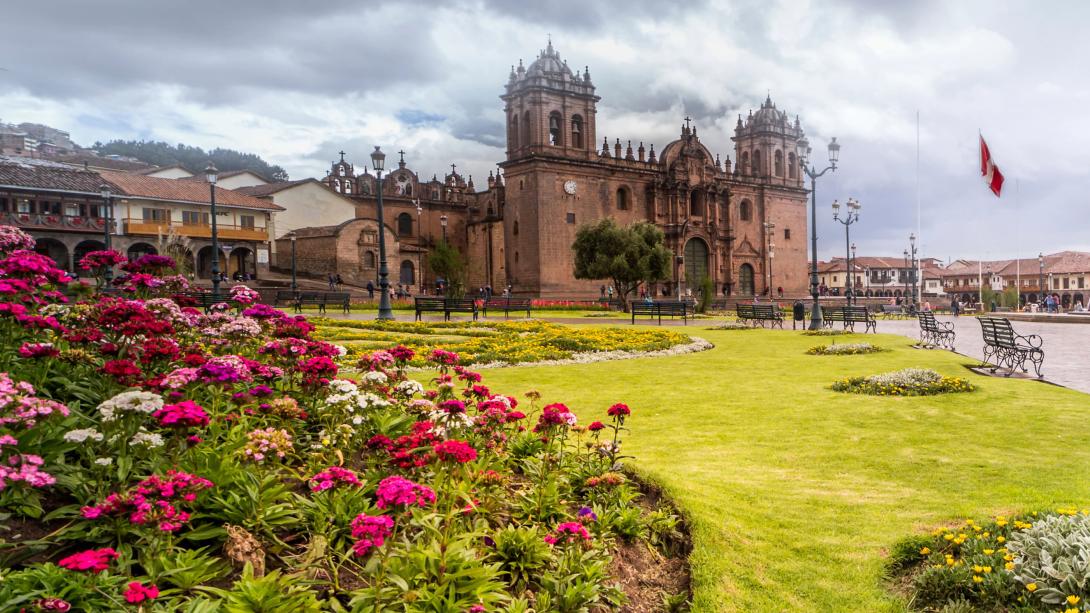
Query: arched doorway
[(696, 262), (1065, 300), (204, 262), (1079, 299), (55, 250), (745, 280), (84, 248), (408, 273), (138, 249), (242, 261)]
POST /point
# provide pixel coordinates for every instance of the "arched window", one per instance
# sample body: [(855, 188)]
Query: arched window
[(408, 276), (369, 259), (744, 167), (514, 132), (515, 228), (555, 134), (696, 203), (526, 138), (622, 199), (408, 189), (779, 163), (337, 186), (404, 225), (791, 171), (745, 280), (577, 131), (365, 188), (347, 187), (745, 211), (756, 162), (340, 170)]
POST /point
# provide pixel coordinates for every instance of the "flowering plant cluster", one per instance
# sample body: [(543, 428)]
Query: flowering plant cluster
[(169, 452), (1031, 562), (907, 382), (844, 349)]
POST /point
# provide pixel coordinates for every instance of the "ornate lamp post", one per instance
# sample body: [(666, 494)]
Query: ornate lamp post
[(851, 270), (852, 217), (294, 285), (443, 222), (378, 161), (813, 173), (107, 219), (904, 275), (211, 174), (1041, 278), (912, 263), (769, 227)]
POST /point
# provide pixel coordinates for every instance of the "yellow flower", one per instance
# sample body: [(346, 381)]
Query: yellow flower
[(989, 552), (1009, 565), (987, 569), (1031, 587), (978, 579), (925, 551), (1073, 599), (1071, 610), (1001, 539), (948, 537)]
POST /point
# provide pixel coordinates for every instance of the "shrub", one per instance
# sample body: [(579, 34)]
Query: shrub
[(844, 349), (825, 332), (907, 382), (1054, 555)]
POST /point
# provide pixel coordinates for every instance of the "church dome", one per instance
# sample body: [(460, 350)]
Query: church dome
[(768, 114), (549, 63)]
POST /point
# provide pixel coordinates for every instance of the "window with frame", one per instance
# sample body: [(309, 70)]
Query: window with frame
[(571, 218), (4, 205), (22, 205), (49, 208), (155, 215), (787, 233), (71, 209), (246, 221), (194, 218)]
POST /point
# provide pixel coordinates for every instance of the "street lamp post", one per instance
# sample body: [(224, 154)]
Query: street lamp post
[(443, 222), (813, 173), (378, 161), (769, 227), (294, 284), (210, 173), (107, 218), (904, 275), (1041, 278), (912, 262), (852, 217), (851, 269)]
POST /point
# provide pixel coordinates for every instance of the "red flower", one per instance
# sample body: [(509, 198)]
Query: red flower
[(94, 560), (125, 371), (596, 426), (137, 593), (619, 410), (457, 451)]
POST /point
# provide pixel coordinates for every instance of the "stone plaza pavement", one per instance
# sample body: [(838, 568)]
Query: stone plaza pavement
[(1067, 346)]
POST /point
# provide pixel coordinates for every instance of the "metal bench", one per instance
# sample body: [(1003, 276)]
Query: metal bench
[(849, 316), (309, 299), (659, 308), (446, 306), (429, 305), (284, 297), (894, 311), (507, 305), (934, 332), (203, 300), (1005, 348), (755, 314)]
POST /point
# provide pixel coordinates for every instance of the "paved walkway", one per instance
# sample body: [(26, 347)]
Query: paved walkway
[(1067, 346)]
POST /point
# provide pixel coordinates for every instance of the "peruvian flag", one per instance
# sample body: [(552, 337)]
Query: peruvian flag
[(989, 170)]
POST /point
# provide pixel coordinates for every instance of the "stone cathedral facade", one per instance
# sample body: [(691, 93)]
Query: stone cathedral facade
[(735, 221)]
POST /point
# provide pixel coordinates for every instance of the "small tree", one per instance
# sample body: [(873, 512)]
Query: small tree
[(625, 256), (445, 261)]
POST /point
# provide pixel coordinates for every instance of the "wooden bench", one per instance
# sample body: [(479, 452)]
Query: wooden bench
[(507, 305), (284, 297), (1005, 348), (446, 306), (322, 300), (849, 316), (203, 300), (934, 332), (894, 311), (755, 314), (654, 309)]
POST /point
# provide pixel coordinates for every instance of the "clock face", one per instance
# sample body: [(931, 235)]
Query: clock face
[(569, 187)]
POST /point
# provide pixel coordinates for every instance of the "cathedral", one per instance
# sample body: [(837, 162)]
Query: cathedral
[(741, 223)]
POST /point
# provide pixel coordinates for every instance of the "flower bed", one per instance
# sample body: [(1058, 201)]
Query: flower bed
[(907, 382), (732, 325), (152, 455), (844, 349), (1033, 562), (487, 342), (825, 332)]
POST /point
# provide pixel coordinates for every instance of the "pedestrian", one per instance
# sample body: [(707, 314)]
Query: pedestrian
[(332, 282), (338, 281), (955, 307), (370, 289), (609, 291), (780, 291)]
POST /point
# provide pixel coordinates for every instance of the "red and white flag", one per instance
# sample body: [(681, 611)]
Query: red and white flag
[(989, 170)]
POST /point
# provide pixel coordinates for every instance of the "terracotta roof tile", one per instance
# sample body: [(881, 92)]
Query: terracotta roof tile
[(46, 175), (157, 188)]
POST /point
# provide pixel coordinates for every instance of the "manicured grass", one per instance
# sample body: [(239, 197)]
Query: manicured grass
[(794, 491)]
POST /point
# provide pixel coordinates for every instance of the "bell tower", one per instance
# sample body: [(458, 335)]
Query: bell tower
[(550, 110), (766, 146)]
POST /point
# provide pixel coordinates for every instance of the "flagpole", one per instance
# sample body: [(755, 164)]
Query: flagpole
[(919, 233), (1017, 252)]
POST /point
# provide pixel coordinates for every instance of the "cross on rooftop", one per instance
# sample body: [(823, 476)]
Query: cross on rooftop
[(687, 120), (452, 169), (342, 155), (402, 154)]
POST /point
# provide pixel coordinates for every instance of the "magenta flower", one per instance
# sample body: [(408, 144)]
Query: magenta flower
[(399, 491), (332, 477), (94, 560), (185, 414), (371, 530)]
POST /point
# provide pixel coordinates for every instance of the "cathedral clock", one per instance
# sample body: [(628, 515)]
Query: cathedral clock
[(569, 187)]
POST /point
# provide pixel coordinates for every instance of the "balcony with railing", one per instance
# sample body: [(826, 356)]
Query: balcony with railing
[(49, 221), (193, 230)]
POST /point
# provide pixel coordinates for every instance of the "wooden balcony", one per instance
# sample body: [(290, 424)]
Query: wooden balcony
[(226, 231)]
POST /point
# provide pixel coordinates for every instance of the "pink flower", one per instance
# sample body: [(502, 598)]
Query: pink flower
[(371, 530), (568, 532), (395, 490), (455, 451), (185, 414), (38, 350), (94, 560), (137, 593), (445, 358), (53, 604), (333, 476)]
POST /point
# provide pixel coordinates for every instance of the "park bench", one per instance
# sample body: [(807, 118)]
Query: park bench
[(1004, 347), (669, 308), (284, 297), (322, 300), (507, 305), (893, 311), (203, 300), (849, 316), (934, 332), (755, 314), (446, 306)]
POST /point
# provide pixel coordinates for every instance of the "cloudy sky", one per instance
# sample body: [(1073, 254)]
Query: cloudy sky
[(296, 81)]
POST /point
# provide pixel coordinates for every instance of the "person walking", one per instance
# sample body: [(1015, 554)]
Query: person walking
[(332, 282), (370, 289), (955, 307)]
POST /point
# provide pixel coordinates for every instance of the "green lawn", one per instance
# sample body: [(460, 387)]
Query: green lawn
[(793, 491)]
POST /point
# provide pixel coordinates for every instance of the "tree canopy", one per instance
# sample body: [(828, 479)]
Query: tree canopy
[(627, 256), (193, 159), (446, 261)]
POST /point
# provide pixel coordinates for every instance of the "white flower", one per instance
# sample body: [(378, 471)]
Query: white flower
[(130, 402), (341, 350), (357, 420), (371, 400), (375, 377), (410, 388), (148, 439), (78, 436), (342, 386), (104, 461)]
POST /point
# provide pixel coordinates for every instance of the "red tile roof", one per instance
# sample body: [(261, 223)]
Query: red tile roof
[(180, 190), (45, 175)]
